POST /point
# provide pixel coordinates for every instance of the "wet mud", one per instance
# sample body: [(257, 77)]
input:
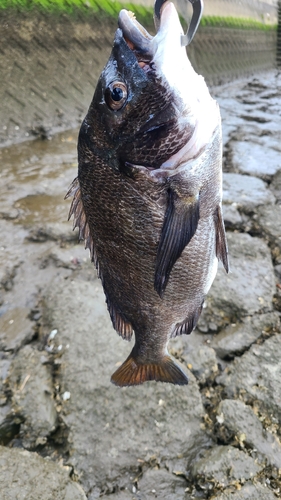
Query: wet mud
[(61, 419)]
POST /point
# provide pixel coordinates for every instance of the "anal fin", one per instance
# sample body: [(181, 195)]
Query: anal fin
[(132, 372), (186, 326), (180, 224), (221, 243)]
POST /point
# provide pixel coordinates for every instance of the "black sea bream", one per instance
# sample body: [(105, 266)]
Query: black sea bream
[(147, 199)]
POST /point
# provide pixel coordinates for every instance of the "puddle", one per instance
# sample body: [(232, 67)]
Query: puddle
[(41, 207), (34, 179)]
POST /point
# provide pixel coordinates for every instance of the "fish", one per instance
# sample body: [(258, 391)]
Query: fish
[(148, 196)]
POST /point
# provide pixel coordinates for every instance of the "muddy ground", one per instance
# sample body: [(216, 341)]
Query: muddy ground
[(66, 432)]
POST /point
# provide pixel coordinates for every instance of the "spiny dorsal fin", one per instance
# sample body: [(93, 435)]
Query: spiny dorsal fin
[(123, 327), (221, 243), (132, 372), (80, 219), (180, 223)]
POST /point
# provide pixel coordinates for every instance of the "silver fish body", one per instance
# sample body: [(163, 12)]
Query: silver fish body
[(147, 199)]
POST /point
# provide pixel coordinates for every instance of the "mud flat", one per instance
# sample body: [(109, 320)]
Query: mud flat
[(61, 419)]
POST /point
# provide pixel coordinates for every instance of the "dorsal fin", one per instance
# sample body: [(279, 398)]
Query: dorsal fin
[(122, 326), (180, 223), (79, 217)]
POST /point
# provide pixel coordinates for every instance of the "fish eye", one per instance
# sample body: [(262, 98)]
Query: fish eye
[(116, 95)]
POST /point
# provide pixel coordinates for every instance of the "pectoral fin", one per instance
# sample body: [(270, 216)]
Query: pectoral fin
[(180, 223), (221, 244)]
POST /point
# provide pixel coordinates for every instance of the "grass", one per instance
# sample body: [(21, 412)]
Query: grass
[(103, 7), (111, 8), (236, 22)]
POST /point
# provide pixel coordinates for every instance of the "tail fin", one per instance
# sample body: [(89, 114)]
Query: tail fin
[(134, 373)]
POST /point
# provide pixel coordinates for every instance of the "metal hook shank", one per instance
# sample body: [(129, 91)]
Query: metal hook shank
[(197, 6)]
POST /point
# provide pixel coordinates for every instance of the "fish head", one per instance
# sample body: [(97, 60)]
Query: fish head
[(146, 104)]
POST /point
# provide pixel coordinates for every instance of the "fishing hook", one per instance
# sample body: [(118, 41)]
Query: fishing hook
[(197, 6)]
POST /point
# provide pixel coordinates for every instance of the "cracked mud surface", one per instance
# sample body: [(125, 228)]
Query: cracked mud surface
[(61, 419)]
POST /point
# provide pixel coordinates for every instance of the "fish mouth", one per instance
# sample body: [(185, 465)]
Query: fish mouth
[(137, 37)]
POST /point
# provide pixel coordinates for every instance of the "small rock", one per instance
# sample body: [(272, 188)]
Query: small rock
[(229, 299), (232, 218), (236, 338), (275, 186), (202, 362), (277, 270), (268, 221), (245, 192), (257, 374), (27, 475), (16, 329), (224, 465), (9, 426), (73, 257), (57, 231), (162, 485), (240, 420), (123, 494), (32, 399), (254, 159), (248, 492)]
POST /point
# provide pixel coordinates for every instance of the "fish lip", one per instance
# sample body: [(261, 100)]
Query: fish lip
[(137, 37), (135, 34)]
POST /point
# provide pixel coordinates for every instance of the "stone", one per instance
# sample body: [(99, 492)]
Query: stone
[(257, 376), (229, 300), (239, 421), (56, 231), (125, 427), (277, 270), (268, 222), (16, 329), (237, 338), (4, 367), (202, 362), (248, 492), (254, 159), (275, 186), (32, 396), (9, 425), (27, 475), (124, 494), (232, 218), (245, 192), (73, 257), (161, 484), (222, 465)]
